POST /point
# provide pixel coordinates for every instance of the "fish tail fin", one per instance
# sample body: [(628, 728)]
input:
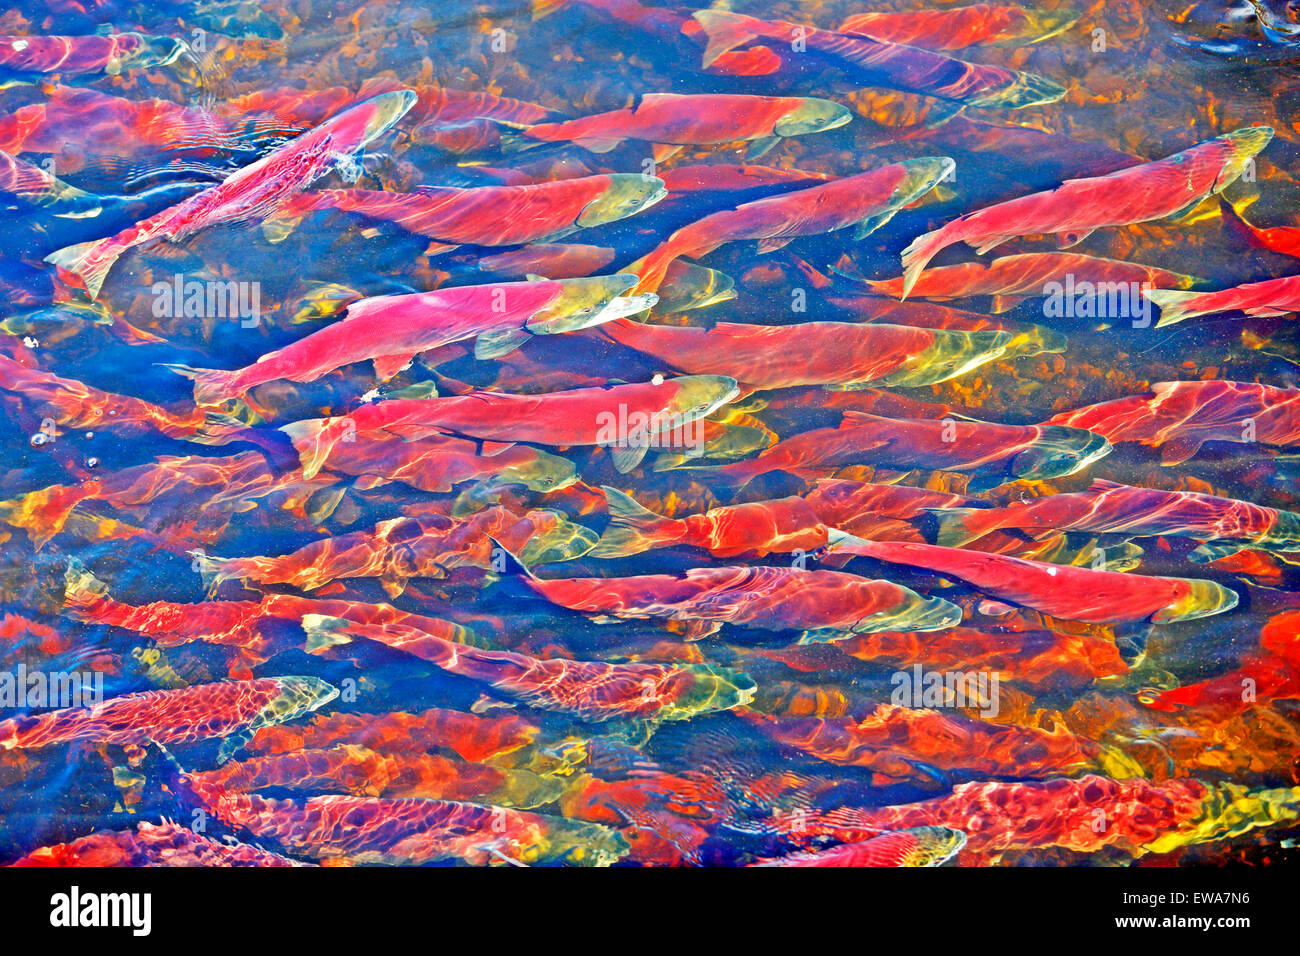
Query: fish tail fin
[(314, 439), (725, 32), (652, 268), (79, 266), (82, 590), (918, 255), (1174, 305), (324, 632), (514, 139), (954, 527), (1234, 217), (634, 529), (216, 571), (278, 226), (506, 562), (42, 514), (212, 386), (544, 8)]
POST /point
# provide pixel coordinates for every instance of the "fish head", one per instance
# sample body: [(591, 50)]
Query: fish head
[(580, 844), (700, 395), (542, 473), (1058, 451), (591, 300), (378, 115), (710, 690), (161, 51), (298, 695), (936, 844), (1036, 340), (626, 195), (1244, 145), (689, 286), (812, 115), (556, 539), (914, 612), (952, 353), (1200, 598), (1027, 89), (919, 177)]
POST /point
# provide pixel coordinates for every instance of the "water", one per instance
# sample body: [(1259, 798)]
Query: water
[(805, 746)]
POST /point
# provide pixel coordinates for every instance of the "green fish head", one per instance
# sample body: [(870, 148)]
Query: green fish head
[(589, 301), (952, 353), (1246, 144), (161, 51), (1202, 599), (543, 473), (1059, 451), (700, 395), (388, 108), (812, 115), (562, 541), (712, 689), (921, 176), (694, 287), (298, 696), (1028, 89), (627, 194)]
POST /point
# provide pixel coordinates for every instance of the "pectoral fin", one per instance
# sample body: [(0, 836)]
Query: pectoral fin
[(758, 147), (492, 345), (772, 244), (386, 366)]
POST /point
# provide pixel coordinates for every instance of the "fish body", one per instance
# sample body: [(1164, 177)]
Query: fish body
[(878, 62), (832, 354), (1272, 297), (625, 418), (867, 200), (1179, 417), (485, 215), (953, 29), (756, 528), (152, 844), (920, 846), (249, 194), (1077, 207), (588, 690), (826, 605), (1107, 507), (392, 330), (188, 714), (993, 453), (703, 119), (31, 59), (1089, 595)]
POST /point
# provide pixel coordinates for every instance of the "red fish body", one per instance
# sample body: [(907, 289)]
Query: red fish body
[(1076, 594), (702, 119), (1179, 417), (868, 199), (1265, 299), (627, 418), (249, 194), (831, 354), (994, 453), (824, 604), (879, 62), (173, 716), (871, 511), (1079, 206), (1110, 508), (29, 59), (757, 528), (403, 548), (379, 830), (392, 330), (1009, 278), (891, 740), (920, 846), (486, 215), (959, 27), (152, 844), (588, 690)]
